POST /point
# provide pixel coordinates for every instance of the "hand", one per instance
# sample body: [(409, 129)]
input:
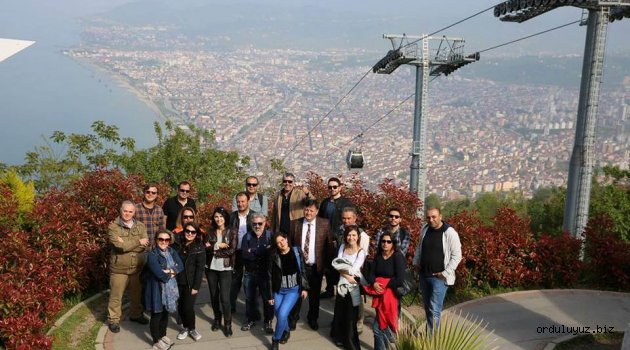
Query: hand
[(120, 240), (271, 301), (208, 245), (304, 294), (440, 276), (193, 292), (349, 278), (378, 287), (143, 241)]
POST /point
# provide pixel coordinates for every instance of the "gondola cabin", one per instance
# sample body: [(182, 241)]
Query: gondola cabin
[(355, 159)]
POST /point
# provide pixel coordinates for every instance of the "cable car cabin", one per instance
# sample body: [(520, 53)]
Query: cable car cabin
[(355, 159)]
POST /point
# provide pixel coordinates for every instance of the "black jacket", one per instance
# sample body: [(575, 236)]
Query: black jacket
[(234, 221), (274, 271), (256, 252), (230, 236), (194, 259), (340, 203)]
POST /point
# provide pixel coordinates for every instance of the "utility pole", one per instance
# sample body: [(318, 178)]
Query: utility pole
[(583, 156), (443, 60)]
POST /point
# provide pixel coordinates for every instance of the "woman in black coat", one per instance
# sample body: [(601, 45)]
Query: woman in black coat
[(193, 254)]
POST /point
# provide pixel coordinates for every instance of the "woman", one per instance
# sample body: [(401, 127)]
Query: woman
[(387, 274), (193, 254), (186, 216), (288, 282), (349, 262), (161, 293), (220, 245)]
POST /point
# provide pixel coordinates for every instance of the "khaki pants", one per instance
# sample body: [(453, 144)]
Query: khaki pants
[(117, 284)]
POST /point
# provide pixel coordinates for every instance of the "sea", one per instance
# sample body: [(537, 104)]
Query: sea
[(42, 90)]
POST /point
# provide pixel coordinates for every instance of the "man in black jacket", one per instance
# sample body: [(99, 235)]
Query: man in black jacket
[(330, 209), (240, 219)]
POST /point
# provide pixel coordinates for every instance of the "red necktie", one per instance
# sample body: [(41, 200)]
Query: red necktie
[(307, 242)]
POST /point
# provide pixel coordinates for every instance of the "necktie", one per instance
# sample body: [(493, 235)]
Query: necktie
[(307, 242)]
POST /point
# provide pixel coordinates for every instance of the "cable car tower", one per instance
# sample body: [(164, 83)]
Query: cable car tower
[(600, 12), (443, 60)]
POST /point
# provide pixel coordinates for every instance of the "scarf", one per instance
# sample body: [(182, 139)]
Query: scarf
[(170, 293)]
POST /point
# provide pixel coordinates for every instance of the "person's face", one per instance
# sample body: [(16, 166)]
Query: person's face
[(310, 213), (348, 218), (184, 191), (288, 183), (394, 218), (434, 218), (259, 225), (163, 240), (241, 203), (334, 188), (127, 211), (282, 243), (352, 237), (190, 233), (150, 195), (219, 220), (188, 217), (386, 243), (251, 185)]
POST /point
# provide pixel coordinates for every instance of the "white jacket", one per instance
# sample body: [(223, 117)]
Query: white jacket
[(452, 251)]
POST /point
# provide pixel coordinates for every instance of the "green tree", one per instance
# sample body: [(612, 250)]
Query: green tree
[(187, 153), (546, 210), (433, 201), (613, 200), (454, 207), (486, 206), (22, 192)]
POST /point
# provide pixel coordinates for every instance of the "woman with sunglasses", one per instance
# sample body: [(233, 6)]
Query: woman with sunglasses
[(161, 292), (186, 216), (193, 254), (220, 245), (387, 274)]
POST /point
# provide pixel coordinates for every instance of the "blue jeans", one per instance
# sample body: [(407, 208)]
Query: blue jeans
[(381, 336), (284, 301), (433, 293), (256, 285)]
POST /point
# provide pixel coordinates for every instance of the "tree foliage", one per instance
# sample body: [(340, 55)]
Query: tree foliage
[(23, 193)]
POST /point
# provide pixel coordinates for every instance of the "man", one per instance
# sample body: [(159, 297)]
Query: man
[(258, 202), (288, 204), (399, 234), (241, 220), (331, 207), (311, 234), (149, 213), (256, 247), (173, 205), (436, 258), (128, 239)]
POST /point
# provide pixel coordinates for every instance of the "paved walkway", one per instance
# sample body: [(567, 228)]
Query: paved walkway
[(519, 320), (531, 319)]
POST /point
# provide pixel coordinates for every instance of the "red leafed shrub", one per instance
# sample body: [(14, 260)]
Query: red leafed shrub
[(223, 198), (558, 260), (607, 257), (8, 207)]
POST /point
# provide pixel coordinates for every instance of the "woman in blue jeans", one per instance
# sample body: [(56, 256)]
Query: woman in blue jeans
[(288, 283)]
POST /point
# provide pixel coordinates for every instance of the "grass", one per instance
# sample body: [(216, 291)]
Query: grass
[(604, 341), (80, 329)]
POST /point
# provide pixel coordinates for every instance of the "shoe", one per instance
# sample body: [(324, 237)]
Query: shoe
[(167, 340), (247, 326), (161, 345), (228, 331), (180, 327), (285, 337), (195, 335), (292, 324), (326, 295), (183, 334), (141, 320), (114, 327), (313, 324), (268, 328), (274, 345), (216, 325)]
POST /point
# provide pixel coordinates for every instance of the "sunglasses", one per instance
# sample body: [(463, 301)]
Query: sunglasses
[(251, 185), (184, 191), (258, 223), (394, 216), (189, 216), (388, 241), (150, 192), (189, 232), (287, 181), (333, 187), (163, 239)]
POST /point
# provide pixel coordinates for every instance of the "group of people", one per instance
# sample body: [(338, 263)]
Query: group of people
[(162, 254)]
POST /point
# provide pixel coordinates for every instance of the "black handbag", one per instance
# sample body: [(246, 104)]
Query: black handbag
[(409, 283)]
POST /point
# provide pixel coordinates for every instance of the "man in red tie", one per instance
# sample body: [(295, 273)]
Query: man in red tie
[(311, 234)]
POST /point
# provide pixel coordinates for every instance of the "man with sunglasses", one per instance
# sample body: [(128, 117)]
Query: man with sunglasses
[(149, 213), (397, 232), (258, 202), (128, 240), (330, 208), (175, 204), (288, 204)]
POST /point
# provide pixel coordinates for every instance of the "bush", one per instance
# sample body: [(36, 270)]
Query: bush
[(607, 257), (558, 260)]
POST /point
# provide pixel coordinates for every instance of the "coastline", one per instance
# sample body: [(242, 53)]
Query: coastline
[(123, 83)]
